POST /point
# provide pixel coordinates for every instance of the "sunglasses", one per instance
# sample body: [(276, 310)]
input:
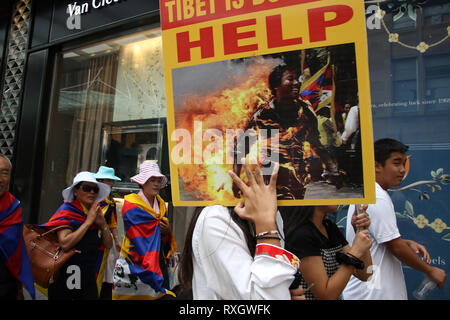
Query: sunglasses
[(87, 188)]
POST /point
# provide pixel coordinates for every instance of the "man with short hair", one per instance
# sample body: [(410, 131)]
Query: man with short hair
[(15, 267), (388, 249)]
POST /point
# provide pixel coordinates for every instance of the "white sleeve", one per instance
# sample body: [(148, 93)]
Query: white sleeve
[(383, 222), (230, 270), (352, 123)]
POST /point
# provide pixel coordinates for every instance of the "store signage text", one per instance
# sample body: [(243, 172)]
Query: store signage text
[(82, 8)]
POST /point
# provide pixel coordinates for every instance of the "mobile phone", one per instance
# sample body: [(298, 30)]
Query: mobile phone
[(296, 283)]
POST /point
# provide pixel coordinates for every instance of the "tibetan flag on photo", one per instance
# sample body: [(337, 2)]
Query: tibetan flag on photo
[(326, 95), (12, 245), (317, 88), (306, 71), (137, 274)]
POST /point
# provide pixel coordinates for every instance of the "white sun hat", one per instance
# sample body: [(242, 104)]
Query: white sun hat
[(86, 176), (148, 169)]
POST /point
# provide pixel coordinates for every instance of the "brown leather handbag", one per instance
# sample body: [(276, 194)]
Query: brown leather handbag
[(45, 254)]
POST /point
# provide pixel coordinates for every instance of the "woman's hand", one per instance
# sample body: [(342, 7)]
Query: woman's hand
[(298, 294), (165, 229), (260, 199), (92, 213), (100, 221), (99, 217), (360, 221), (361, 244)]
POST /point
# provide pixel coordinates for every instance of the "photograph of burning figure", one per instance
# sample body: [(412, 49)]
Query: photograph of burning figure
[(298, 135), (283, 108)]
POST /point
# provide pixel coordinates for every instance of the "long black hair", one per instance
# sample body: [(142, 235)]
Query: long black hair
[(293, 218), (186, 266)]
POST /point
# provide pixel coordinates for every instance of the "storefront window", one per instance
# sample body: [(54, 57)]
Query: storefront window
[(404, 73), (436, 14), (402, 21), (108, 109), (437, 81)]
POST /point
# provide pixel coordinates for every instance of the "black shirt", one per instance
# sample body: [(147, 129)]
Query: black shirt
[(82, 265), (308, 241), (8, 283)]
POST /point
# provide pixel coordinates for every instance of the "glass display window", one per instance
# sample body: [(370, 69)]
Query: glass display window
[(126, 144), (99, 90)]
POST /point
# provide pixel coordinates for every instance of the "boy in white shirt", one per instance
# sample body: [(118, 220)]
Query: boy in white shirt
[(388, 249)]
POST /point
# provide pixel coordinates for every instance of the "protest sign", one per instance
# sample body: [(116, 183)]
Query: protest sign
[(269, 81)]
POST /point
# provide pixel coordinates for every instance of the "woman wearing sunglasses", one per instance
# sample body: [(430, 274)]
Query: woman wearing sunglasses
[(86, 230)]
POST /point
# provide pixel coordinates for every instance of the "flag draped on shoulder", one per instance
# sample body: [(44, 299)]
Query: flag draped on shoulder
[(73, 215), (137, 274), (70, 214), (12, 244)]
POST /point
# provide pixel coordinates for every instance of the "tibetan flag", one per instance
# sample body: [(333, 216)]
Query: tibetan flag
[(138, 274), (109, 211), (326, 94), (12, 245), (333, 104), (108, 207), (312, 89), (327, 97), (306, 71), (100, 267), (70, 214)]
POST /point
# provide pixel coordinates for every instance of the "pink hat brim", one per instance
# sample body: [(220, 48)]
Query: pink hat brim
[(142, 178)]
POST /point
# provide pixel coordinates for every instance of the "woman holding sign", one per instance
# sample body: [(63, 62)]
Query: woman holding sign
[(236, 253)]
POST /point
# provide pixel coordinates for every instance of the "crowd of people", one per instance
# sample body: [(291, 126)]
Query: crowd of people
[(103, 267), (255, 250)]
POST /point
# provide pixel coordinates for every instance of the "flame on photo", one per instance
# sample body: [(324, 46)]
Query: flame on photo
[(227, 109)]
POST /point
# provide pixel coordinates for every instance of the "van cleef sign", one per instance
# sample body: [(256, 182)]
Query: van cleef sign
[(76, 8), (72, 19)]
